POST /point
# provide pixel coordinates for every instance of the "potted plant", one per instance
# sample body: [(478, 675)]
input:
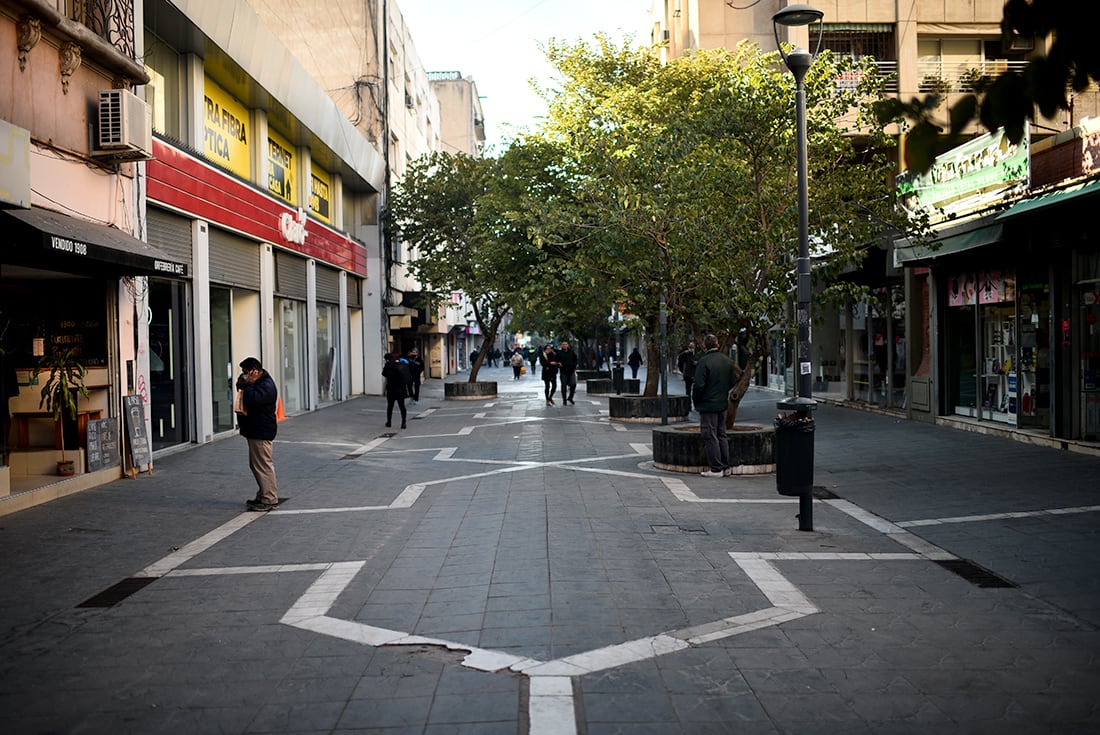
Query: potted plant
[(59, 395)]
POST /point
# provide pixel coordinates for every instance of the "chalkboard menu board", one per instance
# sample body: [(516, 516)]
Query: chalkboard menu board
[(102, 444), (135, 431)]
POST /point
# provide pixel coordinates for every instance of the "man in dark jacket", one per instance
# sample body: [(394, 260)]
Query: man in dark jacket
[(398, 380), (685, 363), (568, 366), (257, 424), (715, 374)]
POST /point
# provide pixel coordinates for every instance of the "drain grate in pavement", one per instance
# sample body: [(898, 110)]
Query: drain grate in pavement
[(678, 529), (976, 575), (118, 592)]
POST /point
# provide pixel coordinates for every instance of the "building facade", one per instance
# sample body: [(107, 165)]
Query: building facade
[(224, 207), (73, 266), (912, 347)]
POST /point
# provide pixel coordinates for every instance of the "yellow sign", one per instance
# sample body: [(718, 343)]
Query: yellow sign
[(320, 194), (227, 131), (281, 181)]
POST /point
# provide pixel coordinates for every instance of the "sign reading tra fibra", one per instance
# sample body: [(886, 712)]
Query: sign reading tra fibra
[(226, 130)]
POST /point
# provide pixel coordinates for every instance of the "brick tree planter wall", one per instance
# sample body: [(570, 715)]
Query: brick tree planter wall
[(679, 448), (646, 409), (463, 391), (606, 386)]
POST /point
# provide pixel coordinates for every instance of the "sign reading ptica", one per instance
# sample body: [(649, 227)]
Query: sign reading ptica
[(226, 130)]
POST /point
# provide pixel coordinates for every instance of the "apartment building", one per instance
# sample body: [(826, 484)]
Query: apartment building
[(368, 63)]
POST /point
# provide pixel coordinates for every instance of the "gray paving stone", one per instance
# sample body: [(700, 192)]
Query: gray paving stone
[(550, 562)]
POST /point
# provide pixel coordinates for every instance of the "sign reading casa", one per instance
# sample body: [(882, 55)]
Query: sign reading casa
[(281, 181), (226, 130)]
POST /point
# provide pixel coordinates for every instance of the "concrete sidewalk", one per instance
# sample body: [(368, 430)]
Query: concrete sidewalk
[(505, 566)]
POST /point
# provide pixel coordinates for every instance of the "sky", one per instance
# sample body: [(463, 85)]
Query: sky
[(496, 43)]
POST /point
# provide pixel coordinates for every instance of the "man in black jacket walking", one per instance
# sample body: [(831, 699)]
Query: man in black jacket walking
[(568, 360), (257, 424)]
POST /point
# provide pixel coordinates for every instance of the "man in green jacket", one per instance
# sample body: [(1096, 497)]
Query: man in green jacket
[(714, 378)]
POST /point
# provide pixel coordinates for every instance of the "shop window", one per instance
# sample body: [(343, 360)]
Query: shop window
[(162, 93)]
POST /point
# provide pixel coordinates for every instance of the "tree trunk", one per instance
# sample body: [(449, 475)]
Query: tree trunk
[(740, 388), (488, 343)]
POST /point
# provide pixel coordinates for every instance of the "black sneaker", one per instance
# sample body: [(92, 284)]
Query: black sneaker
[(260, 507), (254, 501)]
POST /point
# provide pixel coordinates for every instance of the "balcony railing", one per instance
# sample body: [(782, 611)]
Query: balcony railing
[(941, 76), (111, 20)]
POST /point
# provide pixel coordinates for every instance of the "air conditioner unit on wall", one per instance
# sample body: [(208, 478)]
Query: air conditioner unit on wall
[(125, 126)]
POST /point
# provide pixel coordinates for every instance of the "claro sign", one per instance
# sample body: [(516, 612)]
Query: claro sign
[(293, 227)]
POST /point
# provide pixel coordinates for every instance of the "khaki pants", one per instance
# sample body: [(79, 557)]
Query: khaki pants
[(263, 469)]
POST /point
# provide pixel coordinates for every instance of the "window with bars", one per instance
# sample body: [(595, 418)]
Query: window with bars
[(859, 40)]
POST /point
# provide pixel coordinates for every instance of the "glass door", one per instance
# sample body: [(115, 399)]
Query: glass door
[(291, 338), (169, 389), (1034, 372), (221, 358)]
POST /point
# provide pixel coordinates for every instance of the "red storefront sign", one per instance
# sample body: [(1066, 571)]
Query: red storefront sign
[(190, 185)]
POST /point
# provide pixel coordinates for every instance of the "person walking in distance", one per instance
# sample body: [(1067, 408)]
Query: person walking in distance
[(685, 363), (635, 362), (714, 377), (516, 361), (257, 423), (416, 367), (567, 360), (549, 361), (398, 380)]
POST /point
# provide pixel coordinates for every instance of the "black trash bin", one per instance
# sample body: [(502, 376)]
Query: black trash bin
[(617, 378), (794, 454)]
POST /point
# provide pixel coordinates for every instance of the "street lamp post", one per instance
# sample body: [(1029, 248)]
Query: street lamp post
[(794, 461)]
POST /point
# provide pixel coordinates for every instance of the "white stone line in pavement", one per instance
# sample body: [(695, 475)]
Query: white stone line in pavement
[(364, 448), (316, 444), (550, 708), (199, 545), (683, 493), (262, 569), (999, 516), (925, 548)]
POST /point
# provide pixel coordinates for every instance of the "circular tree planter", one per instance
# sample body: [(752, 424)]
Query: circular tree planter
[(593, 374), (679, 448), (646, 409), (606, 386), (465, 391)]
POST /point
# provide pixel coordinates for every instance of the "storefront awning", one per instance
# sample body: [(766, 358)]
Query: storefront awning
[(43, 239), (946, 244), (1055, 197)]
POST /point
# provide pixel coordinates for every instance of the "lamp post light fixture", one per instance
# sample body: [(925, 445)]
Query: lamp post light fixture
[(795, 447)]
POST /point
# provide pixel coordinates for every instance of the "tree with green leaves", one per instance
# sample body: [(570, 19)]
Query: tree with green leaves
[(681, 181), (442, 207), (1009, 100)]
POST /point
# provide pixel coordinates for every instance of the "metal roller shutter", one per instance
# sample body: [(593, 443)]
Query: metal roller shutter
[(171, 233), (290, 276), (234, 261), (328, 285)]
